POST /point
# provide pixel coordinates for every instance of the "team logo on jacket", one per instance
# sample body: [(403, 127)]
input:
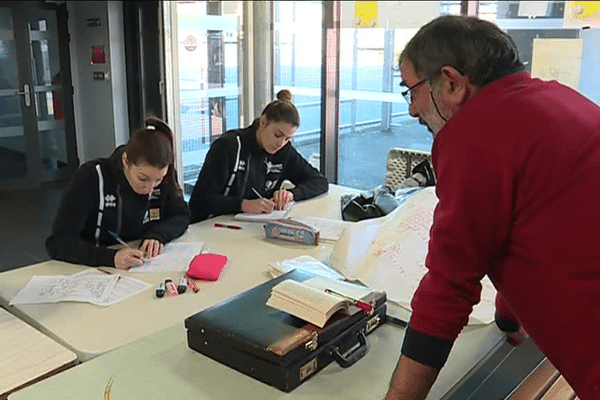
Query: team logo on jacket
[(273, 168), (242, 165), (154, 214), (110, 201)]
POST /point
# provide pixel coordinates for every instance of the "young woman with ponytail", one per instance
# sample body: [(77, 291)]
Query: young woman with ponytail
[(244, 168), (132, 195)]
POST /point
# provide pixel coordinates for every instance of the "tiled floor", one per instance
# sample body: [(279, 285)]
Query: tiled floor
[(25, 221)]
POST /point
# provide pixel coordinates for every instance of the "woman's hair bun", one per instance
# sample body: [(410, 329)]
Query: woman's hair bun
[(284, 95)]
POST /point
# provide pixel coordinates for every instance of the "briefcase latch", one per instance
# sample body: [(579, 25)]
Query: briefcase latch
[(313, 343)]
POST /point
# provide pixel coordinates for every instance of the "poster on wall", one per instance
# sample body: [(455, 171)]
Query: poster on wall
[(582, 14), (557, 59)]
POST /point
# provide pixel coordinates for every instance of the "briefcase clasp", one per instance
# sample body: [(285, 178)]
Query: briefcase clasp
[(313, 343)]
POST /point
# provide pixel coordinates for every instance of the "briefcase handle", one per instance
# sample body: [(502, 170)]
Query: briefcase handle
[(347, 360)]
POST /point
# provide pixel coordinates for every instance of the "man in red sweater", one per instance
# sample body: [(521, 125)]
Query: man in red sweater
[(517, 162)]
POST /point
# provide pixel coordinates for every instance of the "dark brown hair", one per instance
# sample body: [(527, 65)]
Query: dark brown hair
[(282, 109), (153, 145), (474, 47)]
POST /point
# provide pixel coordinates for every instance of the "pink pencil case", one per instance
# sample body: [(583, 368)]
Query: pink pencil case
[(207, 266)]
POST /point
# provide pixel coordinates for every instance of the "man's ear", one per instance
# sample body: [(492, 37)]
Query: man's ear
[(456, 87)]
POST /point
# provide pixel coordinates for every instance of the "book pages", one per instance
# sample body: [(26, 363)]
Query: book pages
[(309, 301)]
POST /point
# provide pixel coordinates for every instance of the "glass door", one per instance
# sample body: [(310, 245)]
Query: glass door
[(36, 142), (13, 143), (204, 44)]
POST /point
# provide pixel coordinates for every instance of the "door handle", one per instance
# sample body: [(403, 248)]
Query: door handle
[(26, 91)]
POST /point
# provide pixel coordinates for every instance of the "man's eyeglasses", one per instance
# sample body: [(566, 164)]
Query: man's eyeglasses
[(407, 94)]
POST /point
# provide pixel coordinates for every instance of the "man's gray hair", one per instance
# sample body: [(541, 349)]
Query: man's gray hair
[(475, 47)]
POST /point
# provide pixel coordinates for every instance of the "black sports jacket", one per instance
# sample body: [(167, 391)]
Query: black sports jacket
[(235, 164)]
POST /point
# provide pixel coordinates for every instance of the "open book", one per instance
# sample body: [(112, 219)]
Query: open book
[(310, 301)]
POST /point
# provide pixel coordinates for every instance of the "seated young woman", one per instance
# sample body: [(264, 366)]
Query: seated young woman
[(244, 168), (132, 195)]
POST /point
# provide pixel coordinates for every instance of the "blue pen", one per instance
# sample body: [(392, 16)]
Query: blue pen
[(258, 194), (119, 239)]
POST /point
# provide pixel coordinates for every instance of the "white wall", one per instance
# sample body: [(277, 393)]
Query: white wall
[(96, 102)]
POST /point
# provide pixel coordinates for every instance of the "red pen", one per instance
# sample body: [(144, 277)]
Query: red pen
[(366, 307), (192, 285), (218, 225)]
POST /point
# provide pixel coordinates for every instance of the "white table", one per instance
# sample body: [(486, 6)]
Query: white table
[(144, 344), (163, 366), (91, 330), (26, 355)]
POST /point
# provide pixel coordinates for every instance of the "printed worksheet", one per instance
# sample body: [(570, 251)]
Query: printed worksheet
[(89, 288), (176, 257), (126, 286)]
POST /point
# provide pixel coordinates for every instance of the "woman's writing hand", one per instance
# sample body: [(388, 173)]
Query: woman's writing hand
[(258, 206), (126, 258)]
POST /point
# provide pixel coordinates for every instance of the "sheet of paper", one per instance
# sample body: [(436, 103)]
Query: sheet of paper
[(51, 289), (176, 257), (329, 229), (532, 8), (265, 216), (394, 259), (306, 263), (125, 287)]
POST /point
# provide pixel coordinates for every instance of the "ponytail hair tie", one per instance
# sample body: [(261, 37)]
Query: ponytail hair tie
[(151, 127)]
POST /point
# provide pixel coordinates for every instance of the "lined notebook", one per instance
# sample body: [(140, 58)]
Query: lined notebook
[(264, 217)]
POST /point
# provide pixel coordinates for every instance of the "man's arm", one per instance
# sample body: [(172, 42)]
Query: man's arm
[(411, 380)]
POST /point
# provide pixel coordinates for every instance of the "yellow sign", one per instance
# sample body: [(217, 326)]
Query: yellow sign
[(579, 14), (365, 14)]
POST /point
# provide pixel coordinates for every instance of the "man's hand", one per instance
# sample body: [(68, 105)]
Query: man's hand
[(411, 380), (151, 248), (281, 198), (126, 258), (258, 206)]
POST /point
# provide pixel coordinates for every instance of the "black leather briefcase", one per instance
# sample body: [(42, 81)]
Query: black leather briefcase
[(274, 346)]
